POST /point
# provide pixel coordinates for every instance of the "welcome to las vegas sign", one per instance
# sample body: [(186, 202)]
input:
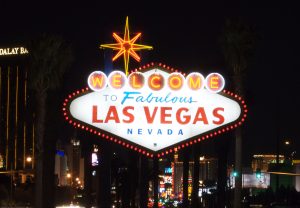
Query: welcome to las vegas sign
[(155, 110)]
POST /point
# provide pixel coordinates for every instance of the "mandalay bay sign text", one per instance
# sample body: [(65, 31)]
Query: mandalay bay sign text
[(154, 109)]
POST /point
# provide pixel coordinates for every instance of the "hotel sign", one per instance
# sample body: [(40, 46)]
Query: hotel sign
[(13, 51), (155, 110)]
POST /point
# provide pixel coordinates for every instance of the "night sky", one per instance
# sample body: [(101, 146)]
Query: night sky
[(184, 36)]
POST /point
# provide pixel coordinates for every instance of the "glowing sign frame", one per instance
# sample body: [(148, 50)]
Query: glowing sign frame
[(150, 153)]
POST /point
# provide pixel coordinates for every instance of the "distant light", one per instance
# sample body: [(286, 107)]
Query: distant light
[(75, 142), (258, 173), (60, 153), (95, 148), (95, 161), (69, 206), (77, 179), (235, 174), (168, 170), (287, 142), (202, 158), (69, 175), (29, 159), (94, 173)]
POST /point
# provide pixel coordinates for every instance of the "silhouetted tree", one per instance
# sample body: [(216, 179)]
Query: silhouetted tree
[(155, 181), (133, 170), (105, 176), (237, 42), (125, 187), (185, 175), (195, 197), (222, 146), (143, 181), (50, 57)]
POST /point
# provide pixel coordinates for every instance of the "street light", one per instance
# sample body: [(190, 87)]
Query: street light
[(69, 178), (29, 159), (258, 173)]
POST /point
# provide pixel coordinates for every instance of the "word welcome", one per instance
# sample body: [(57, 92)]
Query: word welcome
[(156, 81)]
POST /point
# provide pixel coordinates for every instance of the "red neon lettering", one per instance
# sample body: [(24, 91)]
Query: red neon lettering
[(164, 115), (186, 119), (149, 117), (95, 114), (218, 116), (200, 116), (112, 115), (129, 115)]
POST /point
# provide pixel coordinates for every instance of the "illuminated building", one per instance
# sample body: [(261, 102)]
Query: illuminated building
[(297, 171), (16, 119), (207, 173), (267, 168), (250, 179), (263, 161), (69, 165)]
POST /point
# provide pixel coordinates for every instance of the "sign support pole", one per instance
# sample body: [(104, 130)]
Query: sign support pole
[(185, 176), (155, 182), (87, 173), (195, 192)]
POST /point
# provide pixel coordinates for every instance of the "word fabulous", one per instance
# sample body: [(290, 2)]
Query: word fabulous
[(156, 81)]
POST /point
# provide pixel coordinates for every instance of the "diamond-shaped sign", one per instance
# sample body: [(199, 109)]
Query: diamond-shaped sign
[(155, 122)]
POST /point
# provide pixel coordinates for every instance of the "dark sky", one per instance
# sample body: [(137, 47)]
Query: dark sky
[(185, 36)]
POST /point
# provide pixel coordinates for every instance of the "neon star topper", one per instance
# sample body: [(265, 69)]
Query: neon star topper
[(126, 47)]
